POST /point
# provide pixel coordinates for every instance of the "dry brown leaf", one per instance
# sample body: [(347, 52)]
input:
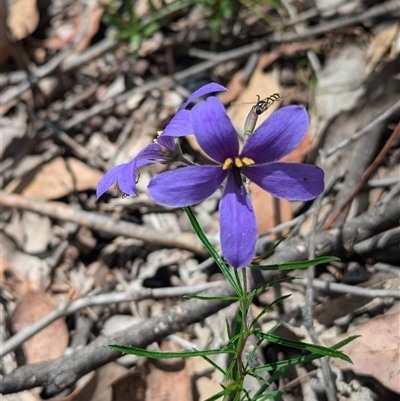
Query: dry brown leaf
[(168, 385), (380, 45), (60, 177), (132, 385), (97, 387), (22, 19), (235, 87), (42, 346), (376, 353), (208, 382), (95, 16)]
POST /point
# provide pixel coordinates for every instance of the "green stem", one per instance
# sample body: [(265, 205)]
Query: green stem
[(243, 311)]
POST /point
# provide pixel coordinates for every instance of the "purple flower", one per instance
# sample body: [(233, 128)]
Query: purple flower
[(163, 149), (282, 132)]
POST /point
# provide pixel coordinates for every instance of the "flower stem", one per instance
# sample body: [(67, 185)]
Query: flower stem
[(243, 312)]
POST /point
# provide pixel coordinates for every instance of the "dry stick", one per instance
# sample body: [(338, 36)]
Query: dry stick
[(340, 241), (386, 115), (379, 242), (58, 375), (382, 182), (330, 389), (96, 221), (161, 82), (376, 11), (374, 165), (299, 28), (78, 150), (350, 289), (70, 62), (68, 308)]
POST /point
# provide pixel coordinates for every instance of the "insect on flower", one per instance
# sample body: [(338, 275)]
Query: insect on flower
[(264, 104), (260, 107)]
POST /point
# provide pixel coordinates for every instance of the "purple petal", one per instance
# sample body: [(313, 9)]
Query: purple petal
[(238, 225), (180, 125), (214, 131), (108, 179), (127, 179), (124, 175), (186, 186), (166, 142), (204, 90), (292, 181), (152, 153), (276, 137)]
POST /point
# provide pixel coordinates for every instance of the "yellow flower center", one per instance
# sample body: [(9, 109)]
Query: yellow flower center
[(238, 162)]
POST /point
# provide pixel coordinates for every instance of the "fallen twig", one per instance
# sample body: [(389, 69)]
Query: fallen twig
[(373, 166), (106, 224), (68, 308)]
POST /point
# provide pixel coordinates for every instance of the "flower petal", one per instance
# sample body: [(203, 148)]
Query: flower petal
[(108, 179), (276, 137), (292, 181), (123, 174), (127, 179), (204, 90), (186, 186), (151, 154), (180, 125), (238, 225), (214, 131)]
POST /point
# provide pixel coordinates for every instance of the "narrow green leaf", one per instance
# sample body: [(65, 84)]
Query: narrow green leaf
[(253, 352), (272, 249), (217, 396), (214, 254), (344, 342), (272, 395), (268, 308), (296, 265), (228, 328), (299, 359), (275, 376), (194, 296), (318, 349), (212, 363), (167, 355), (272, 283)]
